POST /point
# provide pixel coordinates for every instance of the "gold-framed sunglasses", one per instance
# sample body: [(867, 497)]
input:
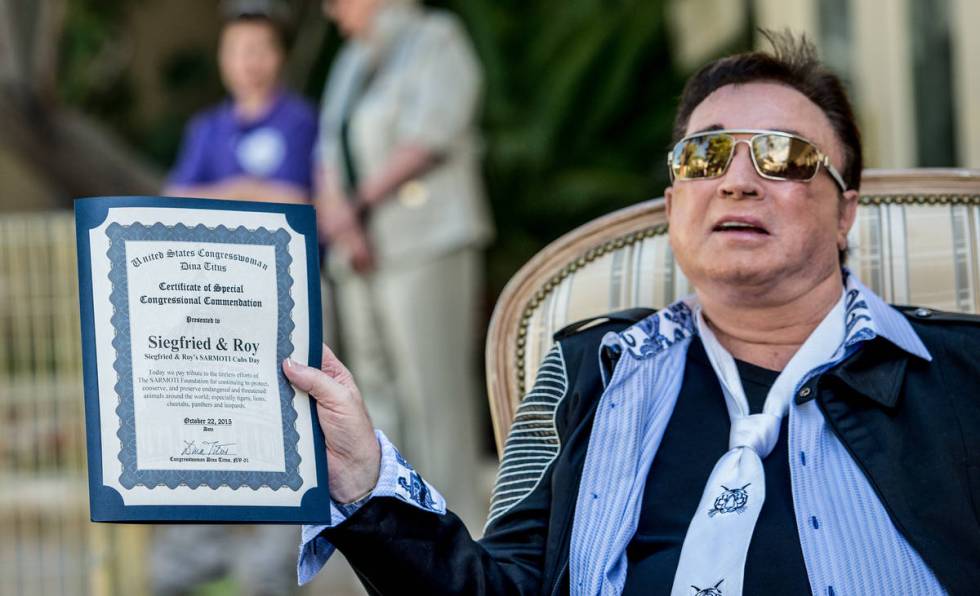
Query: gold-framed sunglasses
[(776, 155)]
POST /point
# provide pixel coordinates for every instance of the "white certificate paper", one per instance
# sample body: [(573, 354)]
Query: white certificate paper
[(188, 309)]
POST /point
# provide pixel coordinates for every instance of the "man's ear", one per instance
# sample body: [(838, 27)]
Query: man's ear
[(668, 198), (847, 213)]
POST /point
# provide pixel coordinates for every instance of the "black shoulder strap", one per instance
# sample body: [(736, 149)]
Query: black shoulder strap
[(931, 315), (629, 316)]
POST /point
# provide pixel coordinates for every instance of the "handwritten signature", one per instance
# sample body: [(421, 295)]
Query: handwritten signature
[(207, 448)]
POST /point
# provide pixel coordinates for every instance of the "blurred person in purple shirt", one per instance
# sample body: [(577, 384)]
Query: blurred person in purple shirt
[(258, 143)]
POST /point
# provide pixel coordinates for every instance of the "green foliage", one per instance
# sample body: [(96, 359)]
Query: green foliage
[(92, 73), (95, 76), (190, 81), (580, 97)]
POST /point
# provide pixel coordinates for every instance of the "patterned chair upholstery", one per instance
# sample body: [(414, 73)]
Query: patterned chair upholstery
[(916, 241)]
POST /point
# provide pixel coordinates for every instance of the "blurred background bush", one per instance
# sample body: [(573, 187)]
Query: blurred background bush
[(579, 98)]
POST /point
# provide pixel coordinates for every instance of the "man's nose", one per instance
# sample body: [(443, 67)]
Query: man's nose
[(741, 179)]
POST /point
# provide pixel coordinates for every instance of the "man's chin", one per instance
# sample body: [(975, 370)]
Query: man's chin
[(758, 283), (750, 278), (738, 267)]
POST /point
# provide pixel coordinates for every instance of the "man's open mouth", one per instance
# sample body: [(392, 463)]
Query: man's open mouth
[(740, 226)]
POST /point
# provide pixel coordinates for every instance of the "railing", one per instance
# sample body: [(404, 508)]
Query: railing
[(47, 544)]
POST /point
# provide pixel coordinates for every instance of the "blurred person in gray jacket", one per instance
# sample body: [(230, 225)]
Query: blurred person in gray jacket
[(401, 201)]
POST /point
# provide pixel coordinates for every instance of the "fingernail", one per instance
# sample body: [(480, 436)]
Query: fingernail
[(288, 363)]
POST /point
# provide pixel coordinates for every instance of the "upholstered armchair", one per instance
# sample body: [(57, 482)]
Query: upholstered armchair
[(916, 241)]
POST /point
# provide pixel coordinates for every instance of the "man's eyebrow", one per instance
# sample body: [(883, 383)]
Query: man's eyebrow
[(707, 129), (790, 131), (714, 127)]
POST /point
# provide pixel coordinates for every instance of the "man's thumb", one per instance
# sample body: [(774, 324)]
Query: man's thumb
[(312, 381)]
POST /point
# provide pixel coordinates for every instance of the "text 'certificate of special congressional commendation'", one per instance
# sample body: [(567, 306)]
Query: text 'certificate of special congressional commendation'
[(188, 309)]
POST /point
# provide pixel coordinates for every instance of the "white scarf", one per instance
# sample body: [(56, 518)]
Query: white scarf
[(717, 541)]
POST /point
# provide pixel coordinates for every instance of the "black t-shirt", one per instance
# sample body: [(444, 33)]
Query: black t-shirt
[(695, 438)]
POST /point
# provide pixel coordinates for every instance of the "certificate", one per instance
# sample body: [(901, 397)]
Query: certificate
[(188, 308)]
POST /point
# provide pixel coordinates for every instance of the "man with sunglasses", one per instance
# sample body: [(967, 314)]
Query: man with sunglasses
[(641, 459)]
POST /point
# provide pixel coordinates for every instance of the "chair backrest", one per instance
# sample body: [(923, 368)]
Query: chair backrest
[(916, 241)]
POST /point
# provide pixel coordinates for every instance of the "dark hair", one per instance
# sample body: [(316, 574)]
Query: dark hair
[(793, 62), (258, 18)]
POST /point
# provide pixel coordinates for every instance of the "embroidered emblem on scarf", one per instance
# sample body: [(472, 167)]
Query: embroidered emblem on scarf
[(732, 500), (712, 591)]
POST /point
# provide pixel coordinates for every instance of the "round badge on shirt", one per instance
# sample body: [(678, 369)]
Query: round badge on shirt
[(261, 151)]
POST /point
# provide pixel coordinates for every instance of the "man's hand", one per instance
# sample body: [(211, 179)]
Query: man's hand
[(353, 453)]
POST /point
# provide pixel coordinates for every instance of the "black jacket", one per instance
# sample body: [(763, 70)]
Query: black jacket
[(912, 426)]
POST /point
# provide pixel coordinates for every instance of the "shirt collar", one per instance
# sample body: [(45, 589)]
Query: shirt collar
[(656, 333), (867, 317)]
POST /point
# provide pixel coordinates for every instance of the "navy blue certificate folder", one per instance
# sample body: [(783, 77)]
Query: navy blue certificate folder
[(188, 308)]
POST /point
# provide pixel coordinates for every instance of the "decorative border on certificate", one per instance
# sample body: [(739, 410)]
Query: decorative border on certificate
[(119, 298)]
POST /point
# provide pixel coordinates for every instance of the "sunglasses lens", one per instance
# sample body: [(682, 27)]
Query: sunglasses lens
[(703, 156), (786, 158)]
